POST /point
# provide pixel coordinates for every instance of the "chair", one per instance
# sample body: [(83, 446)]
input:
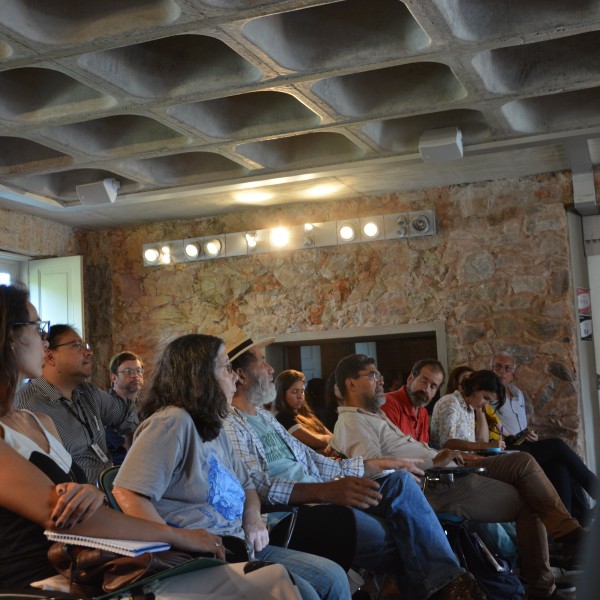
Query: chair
[(105, 481), (326, 530)]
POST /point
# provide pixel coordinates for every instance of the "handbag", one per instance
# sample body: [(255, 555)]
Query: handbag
[(92, 572)]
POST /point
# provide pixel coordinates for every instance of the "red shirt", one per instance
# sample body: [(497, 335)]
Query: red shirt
[(401, 413)]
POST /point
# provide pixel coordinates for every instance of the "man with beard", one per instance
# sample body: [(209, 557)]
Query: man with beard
[(127, 378), (397, 532), (405, 408), (514, 487), (79, 409)]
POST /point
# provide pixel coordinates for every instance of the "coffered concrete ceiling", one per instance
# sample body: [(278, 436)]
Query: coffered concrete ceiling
[(203, 107)]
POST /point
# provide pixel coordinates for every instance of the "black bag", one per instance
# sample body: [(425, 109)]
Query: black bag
[(493, 573)]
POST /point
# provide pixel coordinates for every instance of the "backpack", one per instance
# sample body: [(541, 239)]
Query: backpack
[(493, 573)]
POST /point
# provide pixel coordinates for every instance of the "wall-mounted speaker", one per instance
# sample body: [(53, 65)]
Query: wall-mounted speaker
[(441, 145), (101, 192)]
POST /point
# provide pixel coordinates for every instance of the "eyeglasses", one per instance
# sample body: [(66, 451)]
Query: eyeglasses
[(227, 366), (501, 367), (42, 326), (75, 344), (132, 372), (372, 375)]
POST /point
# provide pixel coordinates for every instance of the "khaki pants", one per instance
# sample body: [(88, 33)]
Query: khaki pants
[(514, 489)]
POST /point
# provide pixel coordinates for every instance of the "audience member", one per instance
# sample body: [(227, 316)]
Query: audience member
[(294, 413), (564, 468), (393, 380), (397, 531), (41, 487), (79, 410), (127, 378), (514, 488), (458, 420), (181, 468), (331, 402), (406, 408), (315, 396)]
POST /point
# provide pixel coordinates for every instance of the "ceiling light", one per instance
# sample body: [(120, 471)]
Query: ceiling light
[(421, 223), (253, 196), (280, 237), (308, 226), (251, 239), (322, 189), (346, 232), (192, 250), (213, 247), (151, 255), (371, 229)]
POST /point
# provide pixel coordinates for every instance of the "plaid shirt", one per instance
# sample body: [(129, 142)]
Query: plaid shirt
[(249, 448)]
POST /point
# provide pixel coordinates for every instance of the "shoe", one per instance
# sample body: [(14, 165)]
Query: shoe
[(464, 587), (569, 557)]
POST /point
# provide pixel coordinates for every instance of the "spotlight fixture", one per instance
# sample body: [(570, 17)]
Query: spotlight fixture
[(213, 247), (280, 237), (346, 232), (151, 254), (391, 226), (421, 223), (371, 229), (192, 250)]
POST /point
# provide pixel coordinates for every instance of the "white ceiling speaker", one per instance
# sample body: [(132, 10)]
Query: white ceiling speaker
[(101, 192), (441, 145)]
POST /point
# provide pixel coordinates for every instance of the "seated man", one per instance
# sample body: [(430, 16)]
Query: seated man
[(564, 468), (405, 407), (515, 488), (397, 531)]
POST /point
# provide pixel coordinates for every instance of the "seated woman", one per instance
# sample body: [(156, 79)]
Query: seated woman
[(458, 421), (181, 468), (42, 488), (294, 413)]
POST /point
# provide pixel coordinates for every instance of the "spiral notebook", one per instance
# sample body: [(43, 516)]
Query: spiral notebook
[(124, 547)]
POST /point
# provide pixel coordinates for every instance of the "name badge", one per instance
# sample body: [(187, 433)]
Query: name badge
[(99, 453)]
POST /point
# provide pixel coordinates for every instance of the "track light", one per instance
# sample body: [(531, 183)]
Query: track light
[(192, 250), (346, 232), (213, 247), (280, 237), (151, 255)]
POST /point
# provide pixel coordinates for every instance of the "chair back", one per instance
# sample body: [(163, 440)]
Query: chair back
[(105, 481), (326, 530)]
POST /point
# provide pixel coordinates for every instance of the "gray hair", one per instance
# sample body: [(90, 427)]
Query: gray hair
[(503, 354)]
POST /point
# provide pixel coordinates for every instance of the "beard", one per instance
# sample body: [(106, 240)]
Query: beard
[(374, 403), (418, 398), (261, 392)]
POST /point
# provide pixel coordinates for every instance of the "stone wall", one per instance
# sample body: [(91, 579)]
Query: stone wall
[(497, 273), (33, 236)]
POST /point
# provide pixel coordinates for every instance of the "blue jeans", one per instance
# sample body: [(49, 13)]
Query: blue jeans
[(316, 577), (403, 536)]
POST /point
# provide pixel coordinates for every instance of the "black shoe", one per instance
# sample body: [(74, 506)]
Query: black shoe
[(464, 587)]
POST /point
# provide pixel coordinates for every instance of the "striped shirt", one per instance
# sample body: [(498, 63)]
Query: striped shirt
[(80, 421)]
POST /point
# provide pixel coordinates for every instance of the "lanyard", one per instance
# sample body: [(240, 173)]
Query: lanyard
[(83, 421)]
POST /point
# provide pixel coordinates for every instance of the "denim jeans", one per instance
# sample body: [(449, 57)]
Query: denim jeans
[(403, 536), (316, 577)]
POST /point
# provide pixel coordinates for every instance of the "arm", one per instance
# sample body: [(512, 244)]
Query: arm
[(26, 491), (482, 432), (315, 441), (252, 523), (139, 506), (115, 411)]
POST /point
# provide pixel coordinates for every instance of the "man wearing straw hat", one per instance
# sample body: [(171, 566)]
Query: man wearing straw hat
[(405, 538)]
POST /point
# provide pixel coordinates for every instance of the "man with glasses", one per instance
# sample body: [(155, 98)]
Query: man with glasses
[(127, 378), (397, 531), (514, 487), (564, 468), (405, 407), (79, 409)]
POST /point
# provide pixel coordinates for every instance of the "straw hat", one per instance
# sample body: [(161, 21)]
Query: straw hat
[(237, 342)]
